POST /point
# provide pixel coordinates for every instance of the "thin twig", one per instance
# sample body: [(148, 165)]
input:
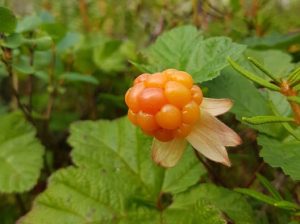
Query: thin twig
[(30, 86), (253, 177), (7, 62)]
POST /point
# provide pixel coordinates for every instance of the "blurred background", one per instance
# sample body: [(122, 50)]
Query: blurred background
[(78, 60)]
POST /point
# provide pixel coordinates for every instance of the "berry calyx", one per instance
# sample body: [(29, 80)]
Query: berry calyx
[(164, 105)]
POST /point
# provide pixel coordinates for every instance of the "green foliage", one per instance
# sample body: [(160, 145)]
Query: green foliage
[(8, 21), (248, 101), (185, 49), (231, 203), (96, 143), (116, 182), (21, 154), (65, 61), (283, 154)]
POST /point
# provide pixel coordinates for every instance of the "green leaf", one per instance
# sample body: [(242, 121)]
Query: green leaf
[(71, 39), (8, 21), (253, 77), (285, 155), (13, 40), (267, 119), (79, 195), (295, 99), (28, 23), (248, 101), (77, 77), (21, 154), (274, 40), (23, 66), (227, 201), (183, 48), (123, 146), (264, 181), (278, 63), (269, 200), (108, 57), (55, 30), (41, 43), (257, 195)]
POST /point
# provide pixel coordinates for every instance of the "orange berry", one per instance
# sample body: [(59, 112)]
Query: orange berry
[(169, 72), (164, 135), (141, 78), (157, 80), (169, 117), (131, 97), (197, 94), (183, 78), (190, 113), (151, 100), (146, 122), (183, 131), (177, 94), (132, 117)]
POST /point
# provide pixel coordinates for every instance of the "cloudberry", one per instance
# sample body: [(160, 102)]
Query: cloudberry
[(164, 105)]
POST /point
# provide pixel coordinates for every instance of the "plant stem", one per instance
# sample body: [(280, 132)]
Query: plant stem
[(288, 91), (84, 15), (7, 60), (253, 177)]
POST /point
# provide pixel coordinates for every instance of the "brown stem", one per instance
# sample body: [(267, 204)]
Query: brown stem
[(287, 90), (7, 60), (52, 93), (253, 177), (84, 15), (31, 79)]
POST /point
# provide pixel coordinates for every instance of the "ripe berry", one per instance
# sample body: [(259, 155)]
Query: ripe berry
[(169, 117), (177, 94), (190, 113), (151, 100), (164, 105)]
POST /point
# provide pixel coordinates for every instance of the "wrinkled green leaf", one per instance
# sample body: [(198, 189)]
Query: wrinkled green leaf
[(8, 21), (21, 154), (183, 48), (79, 196), (96, 143), (285, 155), (227, 201)]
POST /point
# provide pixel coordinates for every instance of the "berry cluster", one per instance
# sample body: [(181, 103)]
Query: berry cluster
[(165, 105)]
